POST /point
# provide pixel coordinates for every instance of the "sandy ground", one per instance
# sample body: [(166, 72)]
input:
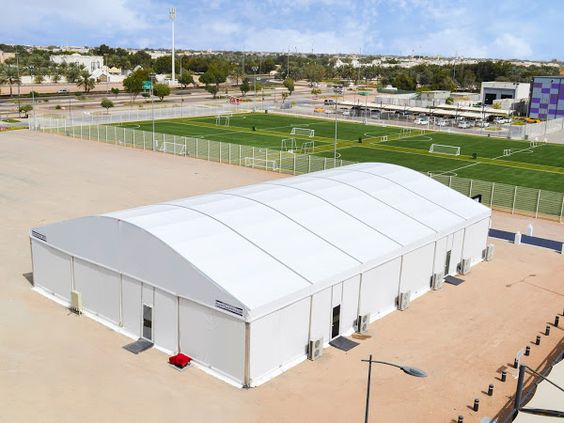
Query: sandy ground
[(56, 367)]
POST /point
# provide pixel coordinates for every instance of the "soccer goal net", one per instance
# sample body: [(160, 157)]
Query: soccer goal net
[(288, 144), (257, 163), (303, 131), (172, 148), (308, 147), (222, 120), (452, 150), (536, 143)]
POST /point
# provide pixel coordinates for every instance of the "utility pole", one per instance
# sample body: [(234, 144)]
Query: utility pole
[(172, 16)]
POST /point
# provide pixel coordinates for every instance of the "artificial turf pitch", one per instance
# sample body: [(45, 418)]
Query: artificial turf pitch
[(539, 167)]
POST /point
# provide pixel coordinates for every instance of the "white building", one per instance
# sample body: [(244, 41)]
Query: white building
[(91, 63), (242, 280), (495, 90)]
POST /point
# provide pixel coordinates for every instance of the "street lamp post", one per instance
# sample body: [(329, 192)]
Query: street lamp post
[(152, 76), (255, 69), (412, 371), (31, 69)]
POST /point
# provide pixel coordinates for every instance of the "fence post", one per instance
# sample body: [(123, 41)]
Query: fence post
[(253, 166), (240, 153), (538, 203), (197, 146), (470, 190), (492, 195), (449, 181), (325, 163), (309, 163), (208, 150), (106, 134), (294, 172), (514, 198), (220, 152), (229, 153), (561, 210), (185, 147)]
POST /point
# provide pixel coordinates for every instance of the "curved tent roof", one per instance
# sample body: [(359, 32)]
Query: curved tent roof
[(268, 244)]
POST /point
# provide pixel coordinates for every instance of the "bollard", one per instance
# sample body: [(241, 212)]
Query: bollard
[(503, 375), (538, 340), (490, 390), (556, 320), (460, 419), (547, 330), (517, 239), (476, 404), (515, 364), (527, 350)]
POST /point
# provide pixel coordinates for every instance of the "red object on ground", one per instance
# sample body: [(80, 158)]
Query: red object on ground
[(179, 360)]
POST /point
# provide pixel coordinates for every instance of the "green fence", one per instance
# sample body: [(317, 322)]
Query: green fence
[(509, 198)]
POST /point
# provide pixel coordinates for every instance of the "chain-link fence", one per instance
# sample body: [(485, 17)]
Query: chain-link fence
[(510, 198)]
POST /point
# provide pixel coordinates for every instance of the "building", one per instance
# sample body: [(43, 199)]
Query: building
[(91, 63), (547, 97), (492, 91), (242, 280), (4, 55), (438, 96)]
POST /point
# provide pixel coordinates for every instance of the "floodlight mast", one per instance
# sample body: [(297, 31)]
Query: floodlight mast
[(172, 16)]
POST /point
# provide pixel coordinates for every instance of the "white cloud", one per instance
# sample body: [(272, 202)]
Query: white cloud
[(510, 46)]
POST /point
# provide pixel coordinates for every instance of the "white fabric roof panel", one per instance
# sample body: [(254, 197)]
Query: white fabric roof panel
[(269, 243)]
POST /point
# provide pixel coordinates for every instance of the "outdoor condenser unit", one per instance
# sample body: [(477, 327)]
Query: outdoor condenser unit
[(489, 252), (437, 281), (403, 300), (464, 266), (315, 349), (76, 302), (362, 323)]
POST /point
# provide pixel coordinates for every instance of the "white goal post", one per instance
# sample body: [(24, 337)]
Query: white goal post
[(222, 120), (172, 148), (303, 131), (257, 163), (452, 150), (288, 144), (308, 147)]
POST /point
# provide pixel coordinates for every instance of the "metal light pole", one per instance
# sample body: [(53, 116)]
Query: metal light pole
[(412, 371), (31, 69), (335, 144), (172, 16), (152, 76), (255, 69), (519, 392)]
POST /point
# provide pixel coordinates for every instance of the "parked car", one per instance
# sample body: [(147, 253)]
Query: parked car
[(441, 122), (501, 120), (464, 124), (346, 113), (62, 91), (422, 120), (319, 110), (329, 102), (482, 123)]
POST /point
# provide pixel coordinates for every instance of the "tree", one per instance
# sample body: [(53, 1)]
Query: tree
[(85, 81), (316, 91), (115, 91), (245, 87), (186, 79), (161, 90), (236, 73), (133, 84), (72, 72), (284, 97), (38, 78), (212, 89), (25, 108), (106, 104), (216, 74), (9, 74), (290, 86), (314, 72)]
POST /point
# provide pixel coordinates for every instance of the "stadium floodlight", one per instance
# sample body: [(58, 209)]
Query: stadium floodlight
[(172, 16)]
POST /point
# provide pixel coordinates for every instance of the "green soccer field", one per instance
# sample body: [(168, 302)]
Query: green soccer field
[(536, 167)]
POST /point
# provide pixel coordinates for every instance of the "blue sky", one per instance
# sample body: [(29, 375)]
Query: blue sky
[(473, 28)]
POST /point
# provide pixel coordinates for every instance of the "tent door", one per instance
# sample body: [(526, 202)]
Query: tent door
[(147, 322), (335, 321), (447, 262)]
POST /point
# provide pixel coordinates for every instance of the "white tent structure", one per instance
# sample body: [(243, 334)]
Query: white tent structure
[(242, 280)]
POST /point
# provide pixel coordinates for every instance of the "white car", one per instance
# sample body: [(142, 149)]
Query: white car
[(482, 124), (464, 124), (501, 120), (441, 122), (422, 121)]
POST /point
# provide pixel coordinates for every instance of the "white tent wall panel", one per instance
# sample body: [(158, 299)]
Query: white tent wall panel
[(278, 339), (337, 294), (349, 304), (379, 289), (416, 270), (320, 323), (131, 306), (51, 270), (213, 339), (100, 290), (165, 321), (148, 296), (475, 240)]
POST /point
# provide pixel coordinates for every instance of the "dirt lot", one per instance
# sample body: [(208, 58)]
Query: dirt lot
[(56, 367)]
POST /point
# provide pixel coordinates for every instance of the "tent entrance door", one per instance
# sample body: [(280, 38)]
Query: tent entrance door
[(335, 321), (447, 263), (147, 322)]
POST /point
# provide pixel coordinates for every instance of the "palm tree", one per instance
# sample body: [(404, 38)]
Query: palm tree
[(9, 75), (85, 81)]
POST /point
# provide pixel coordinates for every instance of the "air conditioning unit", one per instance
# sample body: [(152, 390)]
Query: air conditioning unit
[(403, 300), (362, 323), (76, 302), (437, 281), (489, 252), (464, 266), (315, 349)]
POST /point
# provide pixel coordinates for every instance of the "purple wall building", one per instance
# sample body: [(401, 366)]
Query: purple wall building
[(547, 97)]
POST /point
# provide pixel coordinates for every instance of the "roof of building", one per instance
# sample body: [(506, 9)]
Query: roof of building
[(270, 242)]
